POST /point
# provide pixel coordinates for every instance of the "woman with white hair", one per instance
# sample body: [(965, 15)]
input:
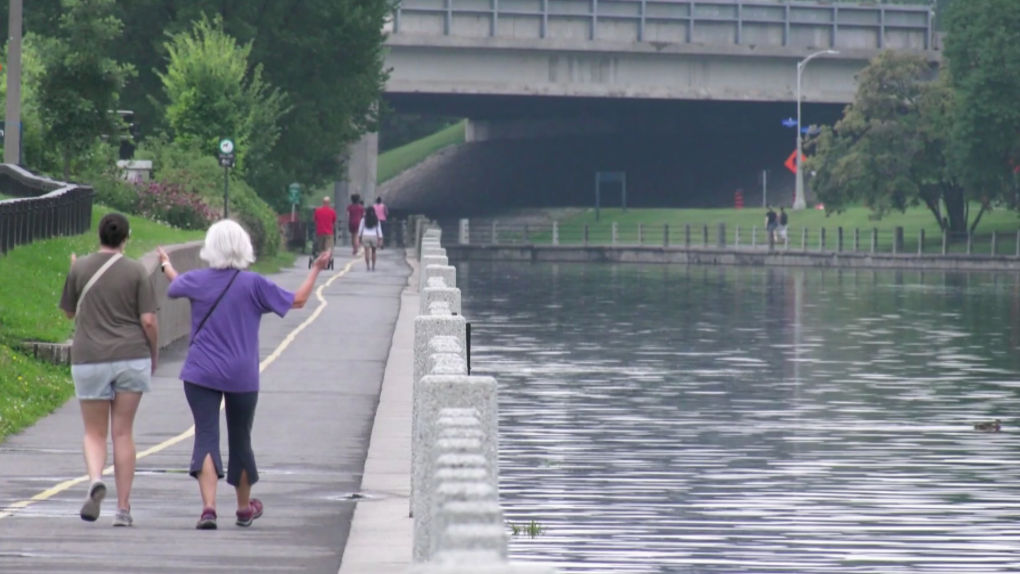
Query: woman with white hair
[(227, 304)]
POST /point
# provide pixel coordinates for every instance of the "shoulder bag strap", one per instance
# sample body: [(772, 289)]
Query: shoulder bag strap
[(213, 308), (92, 281)]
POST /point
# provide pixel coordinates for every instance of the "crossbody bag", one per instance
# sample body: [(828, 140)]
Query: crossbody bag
[(213, 308), (92, 281)]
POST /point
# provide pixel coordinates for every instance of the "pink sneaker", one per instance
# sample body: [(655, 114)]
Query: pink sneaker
[(246, 517), (208, 520)]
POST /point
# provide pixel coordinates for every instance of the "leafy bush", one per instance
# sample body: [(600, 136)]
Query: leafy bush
[(172, 204)]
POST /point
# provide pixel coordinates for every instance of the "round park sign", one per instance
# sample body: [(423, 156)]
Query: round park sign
[(226, 146)]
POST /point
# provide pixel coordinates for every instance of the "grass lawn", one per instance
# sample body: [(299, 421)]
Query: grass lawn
[(29, 390), (1004, 222), (407, 156)]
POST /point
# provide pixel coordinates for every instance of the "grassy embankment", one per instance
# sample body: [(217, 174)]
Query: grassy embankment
[(31, 279), (397, 160), (1003, 221)]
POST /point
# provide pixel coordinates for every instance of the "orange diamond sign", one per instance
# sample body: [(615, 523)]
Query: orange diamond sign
[(791, 162)]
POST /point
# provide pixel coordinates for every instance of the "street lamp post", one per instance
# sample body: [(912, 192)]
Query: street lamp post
[(798, 200), (12, 123)]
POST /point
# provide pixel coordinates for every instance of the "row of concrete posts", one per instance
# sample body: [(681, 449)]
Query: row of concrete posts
[(458, 522)]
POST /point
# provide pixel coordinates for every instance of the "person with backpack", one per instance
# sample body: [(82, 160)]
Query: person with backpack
[(222, 365), (371, 236), (113, 357)]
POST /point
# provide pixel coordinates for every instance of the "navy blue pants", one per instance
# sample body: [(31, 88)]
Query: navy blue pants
[(205, 408)]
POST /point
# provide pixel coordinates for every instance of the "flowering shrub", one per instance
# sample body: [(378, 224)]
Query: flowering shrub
[(173, 204)]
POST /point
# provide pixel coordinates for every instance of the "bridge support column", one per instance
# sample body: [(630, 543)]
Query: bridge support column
[(362, 159)]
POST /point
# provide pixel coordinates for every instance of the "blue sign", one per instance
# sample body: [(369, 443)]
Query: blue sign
[(790, 122), (811, 130)]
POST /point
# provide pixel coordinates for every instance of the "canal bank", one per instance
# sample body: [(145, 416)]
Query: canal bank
[(699, 255)]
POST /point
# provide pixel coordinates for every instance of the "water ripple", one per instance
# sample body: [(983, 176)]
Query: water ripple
[(708, 420)]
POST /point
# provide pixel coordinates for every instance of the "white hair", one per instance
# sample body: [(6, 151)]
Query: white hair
[(227, 246)]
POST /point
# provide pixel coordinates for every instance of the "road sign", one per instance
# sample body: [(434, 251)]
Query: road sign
[(790, 122), (294, 193), (791, 162), (226, 147), (226, 160)]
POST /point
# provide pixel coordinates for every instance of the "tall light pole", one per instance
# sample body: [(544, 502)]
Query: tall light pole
[(798, 201), (12, 121)]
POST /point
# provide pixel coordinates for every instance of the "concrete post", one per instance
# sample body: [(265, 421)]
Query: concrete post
[(898, 244), (665, 235), (995, 243), (736, 236), (839, 239), (464, 237), (704, 235), (431, 294), (857, 240), (687, 235), (803, 239), (555, 233), (821, 240), (754, 236), (426, 261), (920, 242), (720, 240), (874, 239), (640, 234), (362, 159), (614, 233)]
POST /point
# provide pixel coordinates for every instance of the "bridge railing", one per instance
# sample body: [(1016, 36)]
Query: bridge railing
[(41, 208), (711, 22)]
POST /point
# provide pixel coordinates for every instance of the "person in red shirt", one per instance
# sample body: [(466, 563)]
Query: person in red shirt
[(325, 228), (355, 213)]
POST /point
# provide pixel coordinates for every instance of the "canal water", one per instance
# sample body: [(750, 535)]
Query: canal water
[(713, 420)]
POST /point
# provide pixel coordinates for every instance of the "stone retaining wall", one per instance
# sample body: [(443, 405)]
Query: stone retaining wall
[(458, 522), (174, 314)]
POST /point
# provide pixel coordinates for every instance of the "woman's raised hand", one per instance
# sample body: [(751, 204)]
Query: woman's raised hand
[(322, 260), (163, 257)]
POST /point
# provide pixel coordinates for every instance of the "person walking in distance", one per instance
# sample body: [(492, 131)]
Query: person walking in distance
[(371, 236), (325, 227), (784, 222), (227, 305), (113, 357), (382, 212), (771, 222), (355, 213)]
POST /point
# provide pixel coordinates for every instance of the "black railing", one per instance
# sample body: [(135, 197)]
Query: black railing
[(41, 208)]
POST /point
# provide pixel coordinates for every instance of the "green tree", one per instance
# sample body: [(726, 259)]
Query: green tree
[(889, 149), (78, 90), (983, 58), (214, 94)]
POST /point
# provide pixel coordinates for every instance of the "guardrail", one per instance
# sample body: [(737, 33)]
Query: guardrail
[(720, 236), (41, 208), (458, 521), (735, 22)]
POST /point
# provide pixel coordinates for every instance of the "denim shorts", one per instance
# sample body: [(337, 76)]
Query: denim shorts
[(100, 381)]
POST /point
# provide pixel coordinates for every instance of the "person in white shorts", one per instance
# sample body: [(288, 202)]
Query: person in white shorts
[(370, 236), (113, 356)]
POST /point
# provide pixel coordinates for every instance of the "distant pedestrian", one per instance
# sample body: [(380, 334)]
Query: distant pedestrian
[(784, 222), (113, 356), (771, 223), (325, 228), (227, 305), (371, 236), (355, 213), (382, 212)]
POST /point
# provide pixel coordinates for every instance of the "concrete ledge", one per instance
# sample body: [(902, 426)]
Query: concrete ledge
[(717, 256)]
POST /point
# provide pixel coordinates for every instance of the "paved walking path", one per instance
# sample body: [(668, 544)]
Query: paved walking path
[(315, 416)]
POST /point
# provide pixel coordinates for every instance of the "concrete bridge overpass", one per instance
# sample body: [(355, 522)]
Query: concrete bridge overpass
[(510, 65)]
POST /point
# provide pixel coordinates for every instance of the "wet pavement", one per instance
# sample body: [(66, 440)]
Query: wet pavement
[(311, 432), (734, 420)]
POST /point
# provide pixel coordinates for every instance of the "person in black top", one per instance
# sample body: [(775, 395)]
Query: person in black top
[(771, 222), (784, 221)]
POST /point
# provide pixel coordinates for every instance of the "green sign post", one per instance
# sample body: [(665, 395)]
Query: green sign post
[(294, 195), (226, 155)]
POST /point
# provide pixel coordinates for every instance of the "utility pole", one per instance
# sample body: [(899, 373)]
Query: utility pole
[(12, 122)]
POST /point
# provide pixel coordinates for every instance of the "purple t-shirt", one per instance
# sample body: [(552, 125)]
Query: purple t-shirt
[(225, 354)]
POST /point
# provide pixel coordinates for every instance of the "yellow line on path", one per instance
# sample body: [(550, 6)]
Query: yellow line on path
[(67, 484)]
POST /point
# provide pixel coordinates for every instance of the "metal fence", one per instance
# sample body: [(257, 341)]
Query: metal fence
[(715, 236), (41, 208)]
